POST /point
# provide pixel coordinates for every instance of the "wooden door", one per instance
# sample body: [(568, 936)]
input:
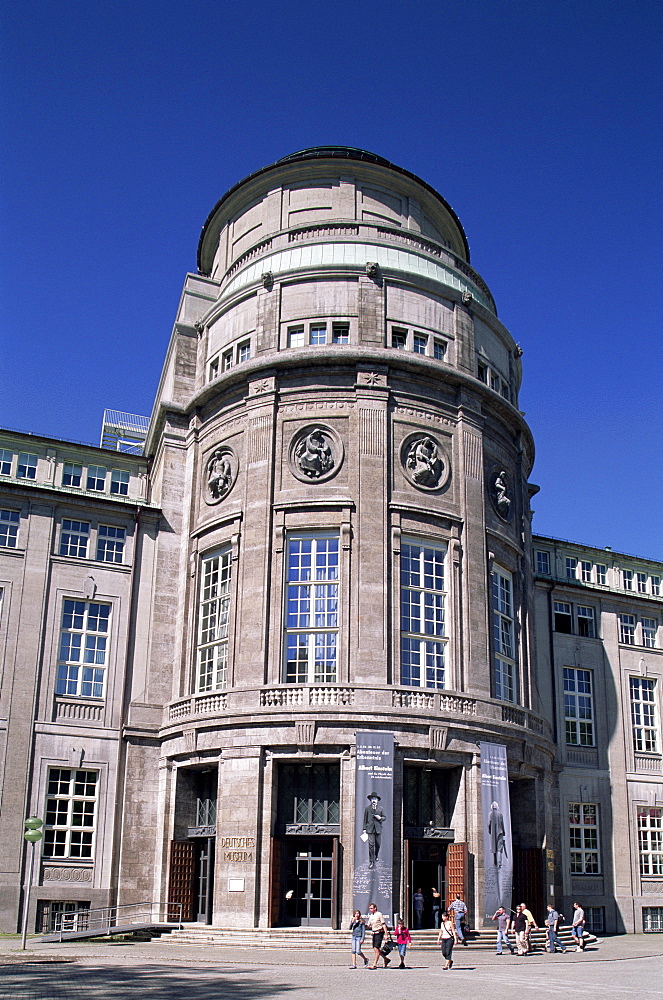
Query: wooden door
[(182, 876), (456, 873)]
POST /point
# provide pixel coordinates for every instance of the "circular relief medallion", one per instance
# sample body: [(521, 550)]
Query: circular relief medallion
[(220, 474), (316, 453), (425, 462), (501, 493)]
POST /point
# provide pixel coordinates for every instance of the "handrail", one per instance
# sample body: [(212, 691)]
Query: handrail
[(107, 917)]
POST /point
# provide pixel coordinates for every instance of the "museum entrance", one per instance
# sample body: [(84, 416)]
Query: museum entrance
[(204, 880), (310, 878), (426, 871)]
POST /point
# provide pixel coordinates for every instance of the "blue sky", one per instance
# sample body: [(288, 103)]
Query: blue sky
[(538, 121)]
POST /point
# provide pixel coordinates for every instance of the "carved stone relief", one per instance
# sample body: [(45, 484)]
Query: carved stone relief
[(316, 453), (501, 493), (220, 474), (425, 462)]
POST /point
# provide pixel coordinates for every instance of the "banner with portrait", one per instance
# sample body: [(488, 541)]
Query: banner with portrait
[(374, 822), (496, 815)]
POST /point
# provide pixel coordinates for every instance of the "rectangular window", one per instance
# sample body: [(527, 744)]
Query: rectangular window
[(72, 474), (495, 382), (119, 484), (243, 351), (627, 579), (110, 543), (584, 838), (543, 563), (419, 344), (96, 478), (27, 466), (652, 919), (340, 333), (578, 707), (399, 339), (318, 334), (83, 649), (312, 610), (213, 622), (423, 615), (439, 350), (227, 361), (585, 571), (482, 371), (9, 521), (643, 714), (627, 629), (650, 840), (656, 586), (296, 336), (74, 537), (586, 624), (649, 632), (571, 567), (641, 579), (6, 458), (601, 574), (213, 370), (595, 919), (71, 803), (563, 619), (503, 638)]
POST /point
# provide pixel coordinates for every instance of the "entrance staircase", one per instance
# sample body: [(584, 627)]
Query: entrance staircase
[(326, 939)]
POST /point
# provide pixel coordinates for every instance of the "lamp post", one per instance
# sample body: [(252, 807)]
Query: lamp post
[(33, 834)]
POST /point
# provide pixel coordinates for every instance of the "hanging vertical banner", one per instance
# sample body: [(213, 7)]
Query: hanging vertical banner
[(374, 822), (497, 850)]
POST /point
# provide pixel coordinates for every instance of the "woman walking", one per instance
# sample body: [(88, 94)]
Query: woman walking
[(403, 939), (446, 939), (358, 929)]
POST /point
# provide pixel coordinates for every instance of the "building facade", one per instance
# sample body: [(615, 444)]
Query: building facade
[(328, 533)]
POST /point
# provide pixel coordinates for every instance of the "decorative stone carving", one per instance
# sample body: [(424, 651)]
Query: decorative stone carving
[(89, 587), (372, 269), (267, 279), (221, 473), (424, 462), (305, 733), (466, 297), (501, 493), (316, 453), (67, 874)]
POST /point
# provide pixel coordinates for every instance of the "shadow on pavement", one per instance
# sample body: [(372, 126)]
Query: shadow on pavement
[(97, 982)]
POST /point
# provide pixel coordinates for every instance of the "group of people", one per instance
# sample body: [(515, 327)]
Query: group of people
[(523, 924), (451, 924)]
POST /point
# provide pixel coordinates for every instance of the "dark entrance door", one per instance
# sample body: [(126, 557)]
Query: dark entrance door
[(426, 861), (309, 882), (204, 880)]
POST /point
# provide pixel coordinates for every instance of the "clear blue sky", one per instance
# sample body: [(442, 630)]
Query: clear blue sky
[(538, 121)]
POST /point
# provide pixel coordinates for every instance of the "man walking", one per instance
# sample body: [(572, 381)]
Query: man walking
[(503, 923), (552, 922), (577, 926), (531, 924), (459, 909)]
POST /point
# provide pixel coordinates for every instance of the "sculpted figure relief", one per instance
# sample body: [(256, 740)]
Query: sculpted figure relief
[(220, 474), (424, 463), (500, 494), (314, 455)]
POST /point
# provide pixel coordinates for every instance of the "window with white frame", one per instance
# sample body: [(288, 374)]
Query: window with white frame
[(627, 629), (96, 478), (543, 563), (504, 676), (650, 841), (584, 838), (243, 351), (71, 805), (643, 714), (312, 609), (72, 474), (586, 623), (296, 336), (439, 349), (627, 579), (601, 574), (214, 622), (74, 538), (110, 543), (26, 467), (227, 361), (6, 459), (83, 649), (213, 370), (340, 333), (649, 628), (423, 615), (399, 339), (641, 582), (585, 571), (656, 586), (119, 483), (318, 334), (9, 522), (578, 707), (652, 919), (562, 617), (419, 342), (571, 566)]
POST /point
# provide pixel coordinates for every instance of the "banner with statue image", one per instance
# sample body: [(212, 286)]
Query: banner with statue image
[(496, 813), (374, 822)]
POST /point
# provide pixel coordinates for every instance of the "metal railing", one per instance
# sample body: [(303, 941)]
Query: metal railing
[(115, 919)]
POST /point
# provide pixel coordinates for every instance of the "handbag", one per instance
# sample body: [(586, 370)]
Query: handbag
[(387, 947)]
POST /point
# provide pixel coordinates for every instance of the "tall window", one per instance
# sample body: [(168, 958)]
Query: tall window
[(586, 571), (309, 793), (244, 351), (83, 649), (586, 621), (213, 622), (27, 466), (563, 619), (543, 563), (649, 626), (642, 582), (119, 483), (419, 343), (6, 458), (423, 615), (627, 629), (571, 566), (650, 838), (656, 586), (503, 637), (9, 522), (584, 838), (96, 478), (601, 574), (71, 474), (110, 543), (643, 714), (74, 538), (70, 813), (578, 708), (627, 579), (312, 610)]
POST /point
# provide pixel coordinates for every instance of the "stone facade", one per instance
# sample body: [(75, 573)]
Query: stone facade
[(336, 518)]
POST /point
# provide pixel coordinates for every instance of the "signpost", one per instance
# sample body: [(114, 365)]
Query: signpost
[(33, 834)]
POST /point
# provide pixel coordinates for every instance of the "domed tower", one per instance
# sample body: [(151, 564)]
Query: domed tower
[(341, 615)]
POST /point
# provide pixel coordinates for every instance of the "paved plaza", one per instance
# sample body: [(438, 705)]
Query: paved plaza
[(625, 966)]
